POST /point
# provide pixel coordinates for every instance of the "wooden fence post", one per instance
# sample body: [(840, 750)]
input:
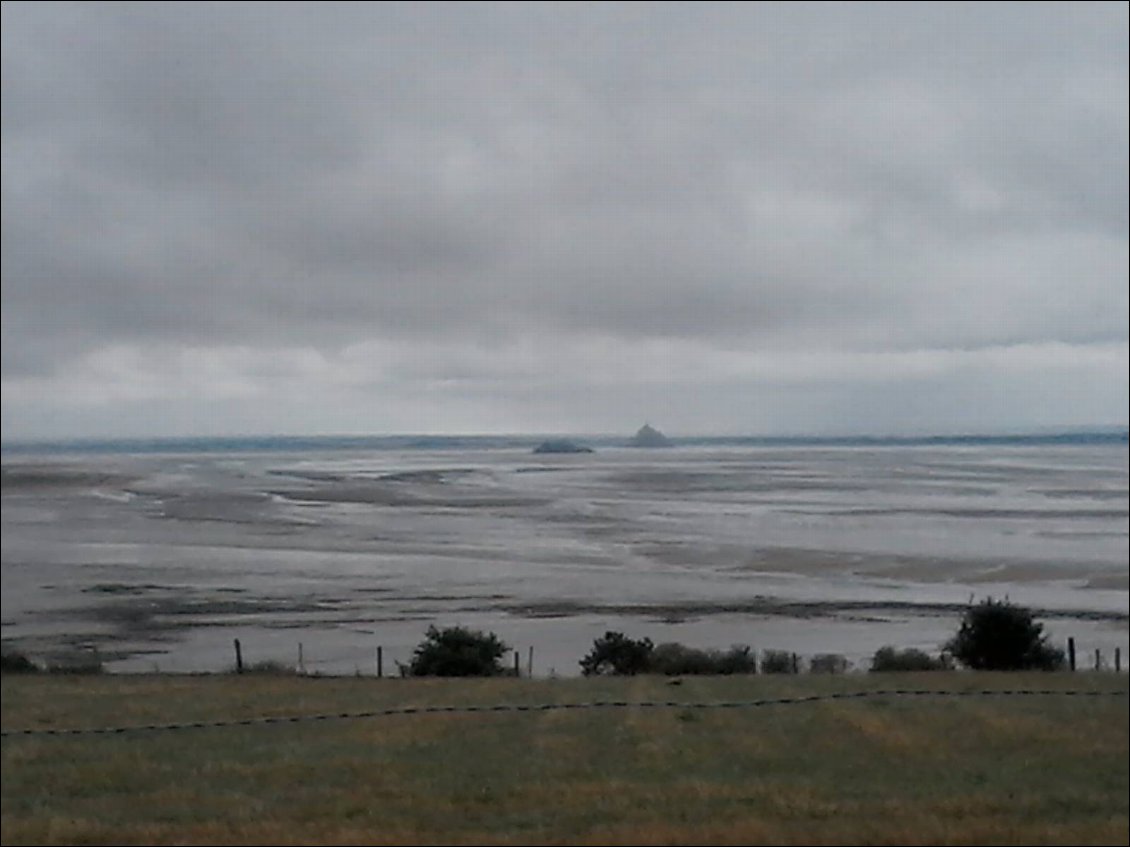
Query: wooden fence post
[(517, 664), (380, 662), (1118, 660), (1098, 659), (1071, 653), (238, 657), (530, 663)]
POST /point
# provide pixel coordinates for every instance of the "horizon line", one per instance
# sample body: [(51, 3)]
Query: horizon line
[(1019, 432)]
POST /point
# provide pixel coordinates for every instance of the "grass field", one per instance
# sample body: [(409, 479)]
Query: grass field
[(969, 770)]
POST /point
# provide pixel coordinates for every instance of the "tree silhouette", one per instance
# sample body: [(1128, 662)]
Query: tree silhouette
[(998, 636)]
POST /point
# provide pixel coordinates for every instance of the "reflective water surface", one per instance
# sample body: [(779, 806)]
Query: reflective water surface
[(161, 560)]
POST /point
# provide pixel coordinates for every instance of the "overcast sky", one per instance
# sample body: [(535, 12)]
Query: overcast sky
[(391, 218)]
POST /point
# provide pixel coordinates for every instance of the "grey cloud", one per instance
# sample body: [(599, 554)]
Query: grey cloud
[(759, 177)]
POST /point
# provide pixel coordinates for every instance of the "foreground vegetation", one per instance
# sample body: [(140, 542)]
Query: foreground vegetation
[(971, 770)]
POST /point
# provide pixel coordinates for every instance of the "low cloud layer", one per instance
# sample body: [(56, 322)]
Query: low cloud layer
[(464, 217)]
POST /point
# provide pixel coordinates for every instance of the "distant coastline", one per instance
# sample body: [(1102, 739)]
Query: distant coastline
[(296, 443)]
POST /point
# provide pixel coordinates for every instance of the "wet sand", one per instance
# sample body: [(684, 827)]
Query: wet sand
[(161, 561)]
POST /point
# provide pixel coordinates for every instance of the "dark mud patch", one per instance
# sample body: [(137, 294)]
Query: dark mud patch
[(1120, 495), (123, 588), (256, 509), (986, 513), (394, 494), (774, 607), (1110, 582), (13, 479), (432, 477), (150, 615), (685, 482), (160, 612)]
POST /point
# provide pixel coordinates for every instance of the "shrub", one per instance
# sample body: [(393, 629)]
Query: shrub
[(778, 661), (17, 663), (998, 636), (615, 653), (457, 652), (674, 659), (77, 666), (888, 659), (738, 659), (829, 663), (269, 667)]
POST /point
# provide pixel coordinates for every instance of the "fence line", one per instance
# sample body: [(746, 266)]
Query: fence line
[(374, 660), (552, 707), (376, 657)]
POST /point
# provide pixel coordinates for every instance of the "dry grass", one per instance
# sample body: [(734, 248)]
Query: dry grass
[(1035, 770)]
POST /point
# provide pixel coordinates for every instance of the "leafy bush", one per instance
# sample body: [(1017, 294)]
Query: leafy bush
[(617, 654), (456, 651), (738, 659), (829, 663), (888, 659), (270, 667), (998, 636), (76, 663), (77, 666), (14, 662), (674, 659), (777, 661)]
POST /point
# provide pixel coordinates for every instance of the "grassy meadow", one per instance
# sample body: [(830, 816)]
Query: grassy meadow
[(984, 770)]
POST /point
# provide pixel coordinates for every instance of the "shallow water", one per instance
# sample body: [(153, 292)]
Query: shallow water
[(161, 560)]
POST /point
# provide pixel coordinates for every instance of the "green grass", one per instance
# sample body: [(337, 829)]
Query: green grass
[(1001, 770)]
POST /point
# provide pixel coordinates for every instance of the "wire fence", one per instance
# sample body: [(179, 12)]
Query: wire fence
[(771, 661), (499, 708)]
